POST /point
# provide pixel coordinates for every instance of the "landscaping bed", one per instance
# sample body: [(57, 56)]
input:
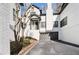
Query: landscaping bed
[(19, 47), (15, 48), (25, 50)]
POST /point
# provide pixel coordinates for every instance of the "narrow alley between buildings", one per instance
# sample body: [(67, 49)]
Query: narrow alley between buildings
[(48, 47)]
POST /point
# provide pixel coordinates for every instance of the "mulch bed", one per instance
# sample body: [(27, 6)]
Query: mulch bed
[(21, 47), (28, 48)]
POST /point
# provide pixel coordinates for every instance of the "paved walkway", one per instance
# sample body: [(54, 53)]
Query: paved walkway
[(48, 47)]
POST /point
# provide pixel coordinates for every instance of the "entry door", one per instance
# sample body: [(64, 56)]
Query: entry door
[(54, 35), (34, 25)]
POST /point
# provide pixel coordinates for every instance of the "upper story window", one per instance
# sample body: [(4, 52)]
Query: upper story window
[(55, 24), (63, 22), (32, 13), (43, 25)]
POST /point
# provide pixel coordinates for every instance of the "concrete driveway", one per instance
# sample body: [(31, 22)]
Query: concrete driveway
[(48, 47)]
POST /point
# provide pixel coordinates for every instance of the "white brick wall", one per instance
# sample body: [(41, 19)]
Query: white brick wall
[(49, 18), (6, 34), (70, 32)]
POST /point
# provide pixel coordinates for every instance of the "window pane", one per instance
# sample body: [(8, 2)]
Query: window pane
[(42, 24), (63, 22), (56, 24), (32, 13)]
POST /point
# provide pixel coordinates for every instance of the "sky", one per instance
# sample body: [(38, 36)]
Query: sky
[(40, 5)]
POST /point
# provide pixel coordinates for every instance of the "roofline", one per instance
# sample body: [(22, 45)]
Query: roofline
[(63, 7), (27, 10), (42, 14), (38, 8), (34, 6)]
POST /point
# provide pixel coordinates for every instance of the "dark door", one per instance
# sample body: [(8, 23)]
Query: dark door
[(54, 35)]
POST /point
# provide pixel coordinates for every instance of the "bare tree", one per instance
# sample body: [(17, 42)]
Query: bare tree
[(20, 24), (24, 23), (14, 29)]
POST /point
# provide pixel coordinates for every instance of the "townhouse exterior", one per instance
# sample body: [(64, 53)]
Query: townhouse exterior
[(36, 21), (69, 24), (62, 24)]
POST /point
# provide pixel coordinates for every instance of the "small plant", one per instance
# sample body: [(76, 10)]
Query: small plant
[(25, 41)]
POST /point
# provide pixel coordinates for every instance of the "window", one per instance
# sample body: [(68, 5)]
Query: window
[(63, 22), (34, 25), (42, 24), (32, 13), (55, 24)]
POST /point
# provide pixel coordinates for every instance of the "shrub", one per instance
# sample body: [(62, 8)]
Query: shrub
[(15, 47), (26, 41)]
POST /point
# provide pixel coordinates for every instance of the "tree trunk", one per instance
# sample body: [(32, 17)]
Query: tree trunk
[(15, 37)]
